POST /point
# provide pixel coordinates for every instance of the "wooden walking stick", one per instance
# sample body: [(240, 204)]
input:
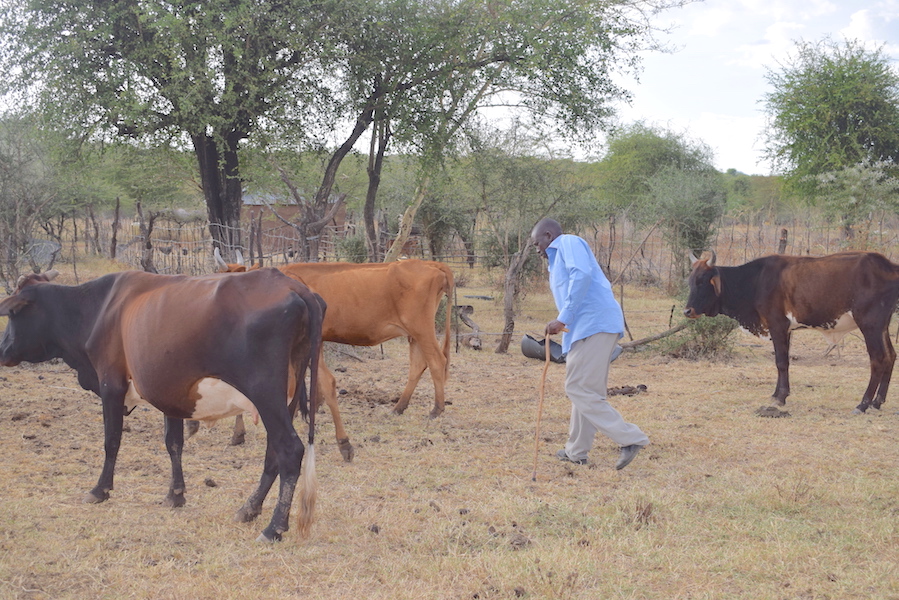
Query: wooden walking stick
[(540, 405)]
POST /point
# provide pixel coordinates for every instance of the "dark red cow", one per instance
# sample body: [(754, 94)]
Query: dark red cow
[(774, 295), (195, 348)]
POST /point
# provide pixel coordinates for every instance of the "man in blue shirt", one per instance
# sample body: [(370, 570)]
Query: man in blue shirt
[(594, 322)]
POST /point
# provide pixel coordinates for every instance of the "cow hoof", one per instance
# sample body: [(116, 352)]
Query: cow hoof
[(267, 540), (346, 450), (777, 401), (435, 413), (857, 411), (190, 428), (398, 411), (174, 500), (245, 515), (95, 496), (237, 440)]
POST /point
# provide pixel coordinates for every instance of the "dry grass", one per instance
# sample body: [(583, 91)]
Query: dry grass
[(723, 504)]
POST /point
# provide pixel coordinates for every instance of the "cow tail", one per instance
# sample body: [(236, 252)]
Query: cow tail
[(448, 290), (309, 486)]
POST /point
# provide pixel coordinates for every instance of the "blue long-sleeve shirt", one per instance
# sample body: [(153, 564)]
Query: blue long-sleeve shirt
[(581, 290)]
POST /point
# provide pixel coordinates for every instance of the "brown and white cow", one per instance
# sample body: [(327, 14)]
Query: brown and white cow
[(775, 295), (193, 347), (371, 303)]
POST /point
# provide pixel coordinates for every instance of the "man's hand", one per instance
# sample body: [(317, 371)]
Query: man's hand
[(554, 327)]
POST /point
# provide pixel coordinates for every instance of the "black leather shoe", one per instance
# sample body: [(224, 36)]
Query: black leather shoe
[(563, 456), (628, 453)]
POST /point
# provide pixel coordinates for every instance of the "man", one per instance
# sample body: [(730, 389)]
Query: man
[(594, 322)]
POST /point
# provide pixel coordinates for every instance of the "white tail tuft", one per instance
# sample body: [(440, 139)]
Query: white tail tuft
[(308, 494)]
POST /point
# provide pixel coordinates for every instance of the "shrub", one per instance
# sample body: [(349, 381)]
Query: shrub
[(352, 249), (706, 337)]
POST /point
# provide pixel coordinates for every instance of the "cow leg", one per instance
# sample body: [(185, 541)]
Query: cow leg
[(781, 341), (882, 357), (421, 357), (113, 417), (174, 443), (239, 435), (289, 453), (253, 506), (887, 371), (284, 445), (417, 366), (327, 389)]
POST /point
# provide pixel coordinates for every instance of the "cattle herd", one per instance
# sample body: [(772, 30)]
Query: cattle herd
[(210, 347)]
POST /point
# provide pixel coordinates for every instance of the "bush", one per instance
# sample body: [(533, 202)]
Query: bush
[(352, 249), (706, 337)]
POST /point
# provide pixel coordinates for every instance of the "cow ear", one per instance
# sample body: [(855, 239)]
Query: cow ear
[(716, 283), (12, 305)]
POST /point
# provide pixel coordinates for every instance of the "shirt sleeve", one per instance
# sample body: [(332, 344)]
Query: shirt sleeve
[(576, 260)]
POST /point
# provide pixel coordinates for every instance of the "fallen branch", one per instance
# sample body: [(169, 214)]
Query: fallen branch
[(653, 338)]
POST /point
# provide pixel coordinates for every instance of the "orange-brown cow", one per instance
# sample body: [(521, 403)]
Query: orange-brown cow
[(369, 304)]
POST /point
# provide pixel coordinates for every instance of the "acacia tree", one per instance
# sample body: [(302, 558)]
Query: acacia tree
[(28, 195), (212, 72), (686, 204), (832, 105), (421, 71), (856, 193)]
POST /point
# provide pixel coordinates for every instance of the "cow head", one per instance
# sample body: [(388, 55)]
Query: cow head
[(238, 267), (705, 288), (23, 339)]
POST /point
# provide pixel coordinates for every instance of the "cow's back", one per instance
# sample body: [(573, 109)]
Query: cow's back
[(371, 303), (190, 328), (816, 290)]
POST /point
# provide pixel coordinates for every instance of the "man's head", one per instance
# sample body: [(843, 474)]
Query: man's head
[(544, 233)]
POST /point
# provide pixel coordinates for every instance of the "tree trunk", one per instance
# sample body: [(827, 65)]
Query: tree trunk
[(146, 231), (379, 138), (220, 179), (511, 288), (115, 230), (406, 222)]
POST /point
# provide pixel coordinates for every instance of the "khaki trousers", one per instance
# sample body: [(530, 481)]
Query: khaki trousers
[(586, 383)]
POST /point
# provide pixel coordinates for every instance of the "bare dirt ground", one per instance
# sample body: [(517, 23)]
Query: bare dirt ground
[(722, 504)]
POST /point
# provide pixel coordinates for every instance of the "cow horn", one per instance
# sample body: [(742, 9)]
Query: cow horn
[(692, 257), (222, 265), (51, 274), (712, 258), (239, 258)]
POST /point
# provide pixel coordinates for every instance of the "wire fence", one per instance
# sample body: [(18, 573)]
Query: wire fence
[(629, 252)]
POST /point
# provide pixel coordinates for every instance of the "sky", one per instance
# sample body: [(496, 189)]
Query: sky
[(712, 87)]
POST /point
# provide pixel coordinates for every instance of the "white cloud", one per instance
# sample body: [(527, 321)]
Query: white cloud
[(709, 23), (779, 40), (860, 26), (783, 10)]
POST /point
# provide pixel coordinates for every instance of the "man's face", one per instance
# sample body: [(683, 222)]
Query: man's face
[(541, 240)]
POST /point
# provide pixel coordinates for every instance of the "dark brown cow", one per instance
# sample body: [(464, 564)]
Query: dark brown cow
[(775, 295), (193, 347), (369, 304)]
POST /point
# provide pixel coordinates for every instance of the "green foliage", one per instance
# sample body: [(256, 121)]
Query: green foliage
[(635, 154), (853, 194), (687, 204), (352, 249), (833, 105), (704, 338)]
